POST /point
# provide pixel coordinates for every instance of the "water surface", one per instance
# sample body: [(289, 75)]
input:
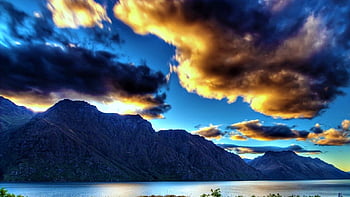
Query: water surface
[(324, 188)]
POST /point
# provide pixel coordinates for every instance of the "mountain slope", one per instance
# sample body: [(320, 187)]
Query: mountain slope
[(11, 115), (73, 141), (288, 165)]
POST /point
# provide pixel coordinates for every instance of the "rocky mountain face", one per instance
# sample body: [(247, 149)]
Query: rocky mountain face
[(73, 141), (287, 165), (11, 115)]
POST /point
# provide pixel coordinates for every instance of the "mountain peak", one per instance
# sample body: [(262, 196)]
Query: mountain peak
[(12, 115), (71, 106), (70, 103), (289, 165)]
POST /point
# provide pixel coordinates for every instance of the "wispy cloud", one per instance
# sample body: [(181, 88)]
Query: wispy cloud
[(264, 149)]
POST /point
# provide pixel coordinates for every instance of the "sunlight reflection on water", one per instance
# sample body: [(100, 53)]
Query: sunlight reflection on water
[(324, 188)]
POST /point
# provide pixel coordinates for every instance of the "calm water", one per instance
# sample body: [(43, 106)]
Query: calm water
[(324, 188)]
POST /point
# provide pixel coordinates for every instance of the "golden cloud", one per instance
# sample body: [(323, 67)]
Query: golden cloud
[(77, 13), (346, 125), (330, 137), (238, 137), (217, 61), (255, 130), (210, 132)]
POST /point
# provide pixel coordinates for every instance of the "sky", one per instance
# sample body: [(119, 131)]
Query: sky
[(252, 76)]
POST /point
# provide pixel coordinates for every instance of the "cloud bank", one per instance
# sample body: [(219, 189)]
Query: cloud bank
[(333, 136), (41, 63), (287, 59), (254, 129), (45, 74), (264, 149)]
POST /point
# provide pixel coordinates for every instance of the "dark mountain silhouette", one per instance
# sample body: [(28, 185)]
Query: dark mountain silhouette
[(11, 115), (246, 160), (73, 141), (288, 165)]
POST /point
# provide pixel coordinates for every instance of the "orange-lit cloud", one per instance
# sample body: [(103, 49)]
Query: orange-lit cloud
[(330, 137), (77, 13), (38, 76), (255, 130), (113, 103), (238, 137), (346, 125), (210, 132), (227, 49)]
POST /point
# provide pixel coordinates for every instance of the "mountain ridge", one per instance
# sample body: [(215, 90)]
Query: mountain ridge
[(287, 165), (13, 116), (73, 141)]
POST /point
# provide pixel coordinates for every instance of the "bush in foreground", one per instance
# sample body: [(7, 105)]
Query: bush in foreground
[(4, 193)]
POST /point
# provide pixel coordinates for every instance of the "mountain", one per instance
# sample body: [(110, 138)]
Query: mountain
[(12, 115), (288, 165), (247, 161), (73, 141)]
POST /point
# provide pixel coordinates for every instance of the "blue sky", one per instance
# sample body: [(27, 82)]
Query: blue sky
[(198, 108)]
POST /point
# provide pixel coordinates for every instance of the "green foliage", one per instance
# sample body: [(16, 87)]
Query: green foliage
[(274, 195), (4, 193), (214, 193)]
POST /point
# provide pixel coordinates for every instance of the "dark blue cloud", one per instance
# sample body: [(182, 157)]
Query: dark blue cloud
[(41, 71), (255, 130), (18, 26)]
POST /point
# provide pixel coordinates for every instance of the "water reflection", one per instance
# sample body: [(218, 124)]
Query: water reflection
[(325, 188)]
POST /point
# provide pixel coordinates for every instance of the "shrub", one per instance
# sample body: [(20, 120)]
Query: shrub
[(4, 193), (214, 193)]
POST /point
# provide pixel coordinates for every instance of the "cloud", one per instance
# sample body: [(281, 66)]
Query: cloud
[(45, 74), (331, 137), (41, 64), (210, 132), (270, 52), (316, 129), (18, 27), (77, 13), (264, 149), (255, 130), (345, 125)]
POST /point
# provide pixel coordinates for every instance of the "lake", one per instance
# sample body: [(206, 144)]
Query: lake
[(324, 188)]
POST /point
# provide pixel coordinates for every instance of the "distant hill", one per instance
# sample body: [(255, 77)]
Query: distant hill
[(11, 115), (287, 165), (73, 141)]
